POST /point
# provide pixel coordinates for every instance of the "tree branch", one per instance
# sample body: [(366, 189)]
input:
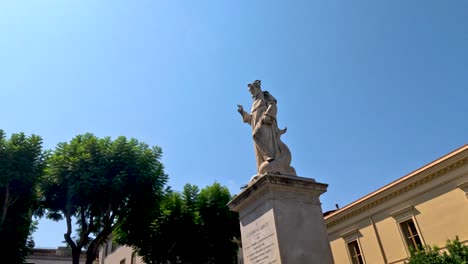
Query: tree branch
[(12, 202), (84, 234), (5, 204), (67, 235), (101, 237), (91, 223)]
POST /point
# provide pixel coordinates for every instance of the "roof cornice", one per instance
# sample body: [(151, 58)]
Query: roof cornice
[(427, 173)]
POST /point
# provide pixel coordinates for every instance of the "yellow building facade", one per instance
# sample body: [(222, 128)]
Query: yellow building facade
[(426, 207)]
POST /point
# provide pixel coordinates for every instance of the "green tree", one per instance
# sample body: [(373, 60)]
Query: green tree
[(21, 166), (219, 225), (456, 253), (172, 235), (103, 184), (191, 227)]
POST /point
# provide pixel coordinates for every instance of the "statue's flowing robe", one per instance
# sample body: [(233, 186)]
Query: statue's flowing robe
[(265, 136)]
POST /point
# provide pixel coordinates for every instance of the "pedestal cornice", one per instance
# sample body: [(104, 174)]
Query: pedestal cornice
[(281, 183)]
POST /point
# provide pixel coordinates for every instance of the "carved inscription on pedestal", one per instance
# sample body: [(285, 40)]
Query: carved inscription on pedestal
[(260, 244)]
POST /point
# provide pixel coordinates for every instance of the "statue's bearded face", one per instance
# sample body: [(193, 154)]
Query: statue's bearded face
[(254, 90)]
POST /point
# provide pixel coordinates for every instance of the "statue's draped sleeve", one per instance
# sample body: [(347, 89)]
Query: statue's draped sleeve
[(246, 117)]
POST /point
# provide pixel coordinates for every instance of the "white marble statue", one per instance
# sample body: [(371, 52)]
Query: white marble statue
[(271, 153)]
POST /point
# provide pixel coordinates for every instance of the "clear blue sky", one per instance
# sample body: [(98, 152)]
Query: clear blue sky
[(369, 90)]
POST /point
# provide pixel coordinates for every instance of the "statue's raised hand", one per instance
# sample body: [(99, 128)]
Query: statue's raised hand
[(240, 109)]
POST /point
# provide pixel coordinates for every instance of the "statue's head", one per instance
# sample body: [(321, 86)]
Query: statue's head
[(257, 83), (255, 88)]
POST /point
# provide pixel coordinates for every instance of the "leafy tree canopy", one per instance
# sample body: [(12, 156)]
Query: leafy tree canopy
[(21, 166), (219, 225), (456, 253), (103, 184), (191, 227)]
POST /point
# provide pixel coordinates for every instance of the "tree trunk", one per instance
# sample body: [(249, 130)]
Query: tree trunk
[(90, 256), (76, 252), (76, 249), (5, 205)]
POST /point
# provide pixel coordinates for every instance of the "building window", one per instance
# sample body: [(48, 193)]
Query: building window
[(351, 238), (355, 252), (413, 239), (114, 246), (107, 249), (122, 261)]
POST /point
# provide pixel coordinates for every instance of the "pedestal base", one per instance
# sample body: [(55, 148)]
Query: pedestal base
[(282, 222)]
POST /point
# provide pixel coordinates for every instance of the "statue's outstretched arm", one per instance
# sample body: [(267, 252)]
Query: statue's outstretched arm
[(246, 117)]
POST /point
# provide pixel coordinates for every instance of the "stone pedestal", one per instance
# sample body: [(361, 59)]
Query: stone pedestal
[(281, 221)]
